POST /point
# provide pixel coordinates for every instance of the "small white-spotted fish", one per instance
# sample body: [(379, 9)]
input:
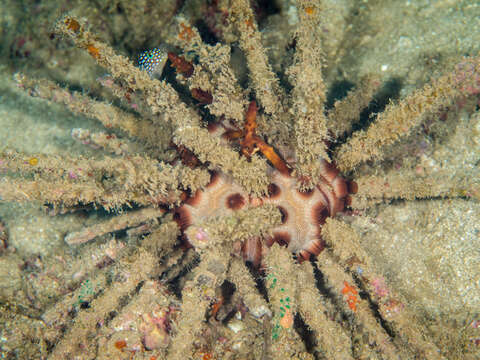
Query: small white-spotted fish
[(153, 61)]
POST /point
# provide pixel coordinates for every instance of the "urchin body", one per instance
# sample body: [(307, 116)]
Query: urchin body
[(303, 213)]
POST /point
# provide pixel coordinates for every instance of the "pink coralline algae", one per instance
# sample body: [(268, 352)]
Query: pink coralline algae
[(380, 287)]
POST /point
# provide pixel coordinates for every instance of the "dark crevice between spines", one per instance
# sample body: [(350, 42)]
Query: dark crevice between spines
[(389, 92), (307, 335), (327, 292), (259, 279), (174, 285), (364, 295), (208, 37), (122, 302)]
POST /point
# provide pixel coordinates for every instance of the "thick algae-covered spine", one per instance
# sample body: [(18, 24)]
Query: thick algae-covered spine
[(399, 119), (332, 340), (108, 115), (87, 320), (345, 244), (309, 92), (281, 286), (109, 182), (163, 99), (265, 83), (212, 240)]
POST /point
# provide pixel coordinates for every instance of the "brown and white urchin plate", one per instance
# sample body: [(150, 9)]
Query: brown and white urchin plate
[(303, 213)]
